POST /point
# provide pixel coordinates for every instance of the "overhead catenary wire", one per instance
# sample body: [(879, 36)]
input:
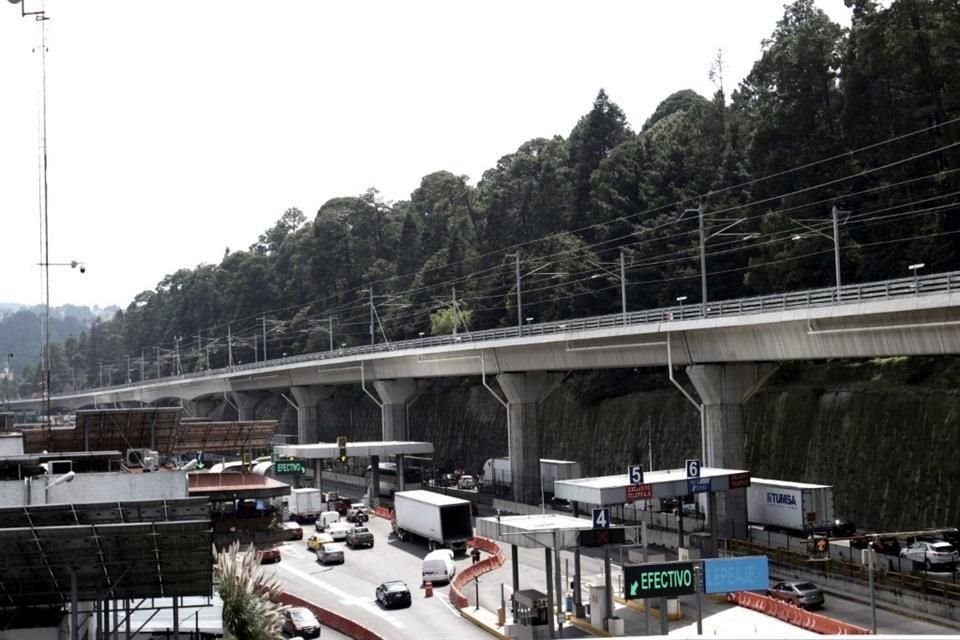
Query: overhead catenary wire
[(673, 205)]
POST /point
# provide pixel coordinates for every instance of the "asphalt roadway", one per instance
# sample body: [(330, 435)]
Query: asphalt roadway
[(349, 589)]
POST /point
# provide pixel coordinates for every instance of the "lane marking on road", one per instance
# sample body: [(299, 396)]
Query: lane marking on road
[(345, 598)]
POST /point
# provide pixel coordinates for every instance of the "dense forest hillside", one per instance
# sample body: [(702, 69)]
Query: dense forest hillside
[(864, 119)]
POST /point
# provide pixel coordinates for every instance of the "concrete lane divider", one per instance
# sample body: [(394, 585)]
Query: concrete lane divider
[(794, 615)]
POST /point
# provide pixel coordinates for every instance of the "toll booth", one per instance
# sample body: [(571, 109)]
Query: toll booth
[(533, 615)]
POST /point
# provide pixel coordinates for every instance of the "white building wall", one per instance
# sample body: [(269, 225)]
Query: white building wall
[(96, 487)]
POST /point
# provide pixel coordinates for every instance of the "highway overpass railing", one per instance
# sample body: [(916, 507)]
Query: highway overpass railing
[(847, 294)]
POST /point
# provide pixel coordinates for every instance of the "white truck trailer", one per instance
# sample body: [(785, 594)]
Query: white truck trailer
[(441, 520), (306, 505), (790, 507), (497, 476)]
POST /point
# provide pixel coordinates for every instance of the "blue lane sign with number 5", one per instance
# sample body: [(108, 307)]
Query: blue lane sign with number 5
[(693, 468), (635, 474), (601, 518)]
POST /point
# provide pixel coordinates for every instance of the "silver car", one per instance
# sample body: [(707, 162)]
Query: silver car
[(800, 594), (330, 552)]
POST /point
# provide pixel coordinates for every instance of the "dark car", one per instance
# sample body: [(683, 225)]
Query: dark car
[(559, 504), (269, 554), (393, 594), (300, 621), (801, 594)]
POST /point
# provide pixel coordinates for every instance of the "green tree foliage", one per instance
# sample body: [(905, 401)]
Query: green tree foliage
[(249, 610), (570, 206)]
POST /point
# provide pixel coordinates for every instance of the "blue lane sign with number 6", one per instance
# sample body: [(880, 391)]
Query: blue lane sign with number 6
[(693, 468), (601, 518), (635, 474)]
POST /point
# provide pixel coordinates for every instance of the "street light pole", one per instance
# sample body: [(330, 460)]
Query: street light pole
[(373, 335), (916, 279), (623, 287), (836, 248), (703, 260), (519, 292)]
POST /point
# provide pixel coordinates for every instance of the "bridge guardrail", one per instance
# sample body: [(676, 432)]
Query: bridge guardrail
[(847, 294), (884, 579)]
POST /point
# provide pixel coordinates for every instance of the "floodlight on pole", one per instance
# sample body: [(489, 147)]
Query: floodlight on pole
[(67, 477), (916, 279)]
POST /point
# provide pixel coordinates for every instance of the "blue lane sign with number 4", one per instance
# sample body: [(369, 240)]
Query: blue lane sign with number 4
[(693, 468), (635, 474), (601, 518)]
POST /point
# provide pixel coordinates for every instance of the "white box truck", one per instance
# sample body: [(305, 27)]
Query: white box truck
[(790, 507), (443, 521), (306, 505), (497, 476)]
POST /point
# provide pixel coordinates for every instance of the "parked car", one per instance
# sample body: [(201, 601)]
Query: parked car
[(316, 541), (357, 512), (269, 554), (393, 594), (932, 553), (360, 537), (800, 594), (467, 483), (331, 552), (559, 504), (300, 621)]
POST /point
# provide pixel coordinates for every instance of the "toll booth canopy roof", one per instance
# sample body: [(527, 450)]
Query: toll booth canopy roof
[(221, 487), (534, 531), (668, 483), (326, 450), (145, 549)]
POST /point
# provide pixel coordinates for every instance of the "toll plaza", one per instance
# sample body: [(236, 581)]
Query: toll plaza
[(655, 485), (343, 450), (550, 532)]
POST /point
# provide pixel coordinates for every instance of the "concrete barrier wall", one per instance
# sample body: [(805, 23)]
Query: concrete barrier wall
[(494, 561), (328, 618), (344, 478), (795, 615)]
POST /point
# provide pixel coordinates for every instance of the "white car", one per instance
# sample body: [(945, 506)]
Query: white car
[(357, 512), (931, 553), (339, 530)]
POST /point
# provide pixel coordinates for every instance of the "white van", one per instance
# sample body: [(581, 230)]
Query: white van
[(438, 566), (325, 519)]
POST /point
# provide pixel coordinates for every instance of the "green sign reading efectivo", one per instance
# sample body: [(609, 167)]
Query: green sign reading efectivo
[(289, 466), (665, 580)]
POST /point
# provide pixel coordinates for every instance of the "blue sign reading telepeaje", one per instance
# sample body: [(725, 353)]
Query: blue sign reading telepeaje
[(696, 485), (725, 575)]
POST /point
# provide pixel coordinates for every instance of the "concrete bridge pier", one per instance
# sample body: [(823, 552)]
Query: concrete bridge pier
[(525, 392), (308, 399), (246, 402), (200, 407), (723, 388), (395, 394)]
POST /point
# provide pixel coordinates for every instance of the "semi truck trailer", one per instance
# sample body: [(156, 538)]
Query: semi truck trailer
[(791, 507), (497, 475), (440, 520)]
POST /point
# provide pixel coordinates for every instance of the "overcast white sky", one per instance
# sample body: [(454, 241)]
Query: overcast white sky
[(178, 128)]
